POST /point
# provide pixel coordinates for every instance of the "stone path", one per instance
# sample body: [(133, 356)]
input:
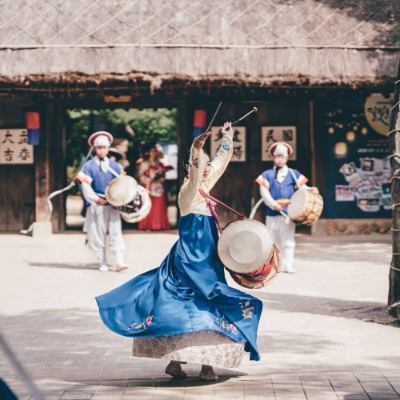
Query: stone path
[(316, 336)]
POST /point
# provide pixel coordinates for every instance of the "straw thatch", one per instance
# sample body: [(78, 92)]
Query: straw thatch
[(308, 42)]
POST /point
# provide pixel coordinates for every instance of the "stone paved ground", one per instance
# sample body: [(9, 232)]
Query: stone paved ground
[(317, 336)]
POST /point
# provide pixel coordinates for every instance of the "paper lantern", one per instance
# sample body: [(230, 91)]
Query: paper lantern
[(341, 149), (351, 136)]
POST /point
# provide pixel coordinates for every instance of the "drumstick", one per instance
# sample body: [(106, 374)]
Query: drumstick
[(244, 116), (284, 214), (213, 118)]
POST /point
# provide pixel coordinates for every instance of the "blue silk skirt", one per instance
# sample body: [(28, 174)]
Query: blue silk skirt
[(188, 292)]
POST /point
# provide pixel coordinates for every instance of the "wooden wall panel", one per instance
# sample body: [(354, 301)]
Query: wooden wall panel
[(17, 182)]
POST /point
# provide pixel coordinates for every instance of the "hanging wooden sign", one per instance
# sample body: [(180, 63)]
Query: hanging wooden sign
[(14, 147), (239, 142), (273, 134)]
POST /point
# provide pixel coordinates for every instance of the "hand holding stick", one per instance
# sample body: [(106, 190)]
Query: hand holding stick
[(199, 142), (255, 109)]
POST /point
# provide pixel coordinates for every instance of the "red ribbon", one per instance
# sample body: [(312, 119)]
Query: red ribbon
[(212, 202)]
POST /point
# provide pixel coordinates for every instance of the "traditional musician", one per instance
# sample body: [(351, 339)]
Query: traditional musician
[(101, 218), (184, 311), (277, 186)]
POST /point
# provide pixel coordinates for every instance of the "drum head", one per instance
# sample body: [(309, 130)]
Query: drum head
[(298, 204), (144, 211), (245, 246), (121, 191)]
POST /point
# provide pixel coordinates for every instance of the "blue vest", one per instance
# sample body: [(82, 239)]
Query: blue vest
[(100, 179), (280, 192)]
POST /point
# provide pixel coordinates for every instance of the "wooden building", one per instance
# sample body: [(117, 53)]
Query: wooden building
[(291, 59)]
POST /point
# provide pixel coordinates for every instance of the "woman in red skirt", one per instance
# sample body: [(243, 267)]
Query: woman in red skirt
[(152, 176)]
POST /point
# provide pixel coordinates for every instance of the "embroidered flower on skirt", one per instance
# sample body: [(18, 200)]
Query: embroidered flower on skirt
[(137, 327), (247, 309), (226, 326)]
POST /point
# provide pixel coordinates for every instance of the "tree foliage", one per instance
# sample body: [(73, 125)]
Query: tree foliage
[(156, 125)]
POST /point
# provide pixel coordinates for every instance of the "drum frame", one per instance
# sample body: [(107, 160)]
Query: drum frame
[(312, 212)]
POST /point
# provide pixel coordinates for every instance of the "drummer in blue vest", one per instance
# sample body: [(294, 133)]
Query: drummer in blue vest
[(277, 186), (101, 218)]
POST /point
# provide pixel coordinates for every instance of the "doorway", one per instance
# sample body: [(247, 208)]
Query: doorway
[(134, 130)]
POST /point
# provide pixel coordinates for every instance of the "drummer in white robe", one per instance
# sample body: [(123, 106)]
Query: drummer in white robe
[(101, 218), (277, 186)]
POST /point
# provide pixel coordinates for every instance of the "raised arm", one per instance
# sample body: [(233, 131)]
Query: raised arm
[(221, 158), (196, 166)]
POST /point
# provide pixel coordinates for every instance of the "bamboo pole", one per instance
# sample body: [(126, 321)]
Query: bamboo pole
[(394, 150)]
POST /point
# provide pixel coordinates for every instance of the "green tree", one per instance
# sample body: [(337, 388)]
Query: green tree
[(155, 125)]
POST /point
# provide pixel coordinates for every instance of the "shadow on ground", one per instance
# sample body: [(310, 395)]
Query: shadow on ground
[(64, 265)]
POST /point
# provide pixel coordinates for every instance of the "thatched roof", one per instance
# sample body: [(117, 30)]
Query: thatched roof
[(345, 42)]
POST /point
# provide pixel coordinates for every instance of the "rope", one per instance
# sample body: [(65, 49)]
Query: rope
[(394, 106), (169, 22), (395, 230), (261, 26), (373, 31), (394, 268), (140, 25), (24, 29), (107, 22), (356, 27), (395, 205), (394, 130), (197, 22), (73, 21), (394, 177), (297, 26), (231, 21), (8, 19), (322, 23), (394, 155)]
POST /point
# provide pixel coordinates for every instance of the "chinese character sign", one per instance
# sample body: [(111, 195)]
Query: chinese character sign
[(14, 147), (273, 134), (377, 112), (239, 142)]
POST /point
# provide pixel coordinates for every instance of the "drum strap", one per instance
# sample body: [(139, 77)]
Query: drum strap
[(295, 178), (212, 202)]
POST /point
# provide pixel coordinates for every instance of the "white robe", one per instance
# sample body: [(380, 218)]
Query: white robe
[(282, 228), (99, 221)]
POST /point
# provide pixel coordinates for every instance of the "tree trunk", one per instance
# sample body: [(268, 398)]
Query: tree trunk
[(394, 148)]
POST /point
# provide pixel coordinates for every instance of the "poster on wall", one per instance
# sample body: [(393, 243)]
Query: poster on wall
[(239, 142), (273, 134), (357, 163), (14, 147)]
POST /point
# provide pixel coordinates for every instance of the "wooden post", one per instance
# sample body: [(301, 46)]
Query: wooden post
[(42, 171), (394, 151)]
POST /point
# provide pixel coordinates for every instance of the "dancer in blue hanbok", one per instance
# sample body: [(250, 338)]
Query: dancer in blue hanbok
[(184, 311)]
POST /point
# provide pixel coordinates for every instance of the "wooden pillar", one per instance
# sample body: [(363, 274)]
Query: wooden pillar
[(394, 148), (182, 141), (49, 165), (42, 170)]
